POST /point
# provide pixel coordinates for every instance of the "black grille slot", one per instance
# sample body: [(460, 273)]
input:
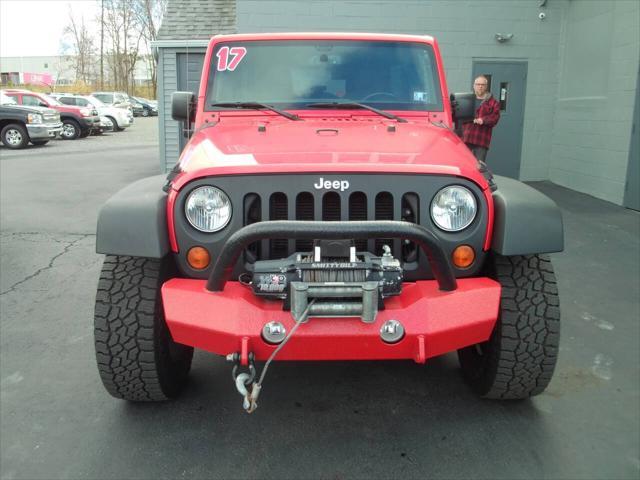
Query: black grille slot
[(278, 211), (358, 211), (384, 211), (252, 214), (410, 213), (331, 207), (304, 211)]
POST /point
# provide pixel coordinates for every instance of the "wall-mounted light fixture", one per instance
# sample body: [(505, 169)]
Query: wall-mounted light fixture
[(504, 37)]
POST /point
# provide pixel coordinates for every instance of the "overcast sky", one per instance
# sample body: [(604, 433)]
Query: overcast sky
[(34, 27)]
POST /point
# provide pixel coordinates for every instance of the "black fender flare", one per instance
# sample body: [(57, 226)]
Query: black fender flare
[(134, 221), (525, 220), (68, 116)]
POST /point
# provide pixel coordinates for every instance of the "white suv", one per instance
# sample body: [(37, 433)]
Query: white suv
[(115, 99), (119, 117)]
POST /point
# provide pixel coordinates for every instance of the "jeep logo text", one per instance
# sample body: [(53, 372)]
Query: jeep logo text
[(341, 185)]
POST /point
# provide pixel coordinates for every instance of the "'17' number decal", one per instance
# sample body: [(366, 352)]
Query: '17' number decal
[(235, 53)]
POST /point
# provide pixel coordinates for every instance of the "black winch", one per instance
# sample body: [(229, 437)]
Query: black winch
[(343, 282)]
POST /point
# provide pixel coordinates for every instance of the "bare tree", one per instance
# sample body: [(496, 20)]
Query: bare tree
[(124, 33), (83, 47), (149, 14)]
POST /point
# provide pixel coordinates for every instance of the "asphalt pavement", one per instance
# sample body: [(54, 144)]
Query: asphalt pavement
[(316, 420)]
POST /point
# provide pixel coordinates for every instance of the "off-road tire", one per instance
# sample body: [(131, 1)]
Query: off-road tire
[(137, 358), (519, 359), (14, 136)]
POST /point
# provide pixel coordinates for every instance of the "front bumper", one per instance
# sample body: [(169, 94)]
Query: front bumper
[(438, 315), (43, 131), (435, 322), (123, 121), (106, 124), (92, 123)]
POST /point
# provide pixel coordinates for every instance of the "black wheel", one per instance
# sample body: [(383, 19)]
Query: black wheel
[(137, 358), (145, 112), (519, 359), (14, 136), (116, 128), (39, 142), (70, 129)]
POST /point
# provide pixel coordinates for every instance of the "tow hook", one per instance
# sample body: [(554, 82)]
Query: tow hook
[(243, 380)]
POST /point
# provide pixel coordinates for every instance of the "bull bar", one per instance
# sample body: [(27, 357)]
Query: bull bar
[(316, 230)]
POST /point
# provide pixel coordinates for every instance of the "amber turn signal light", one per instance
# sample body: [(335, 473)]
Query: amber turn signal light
[(463, 256), (198, 258)]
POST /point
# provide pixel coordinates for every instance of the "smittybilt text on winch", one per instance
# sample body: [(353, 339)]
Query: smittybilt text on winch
[(324, 209)]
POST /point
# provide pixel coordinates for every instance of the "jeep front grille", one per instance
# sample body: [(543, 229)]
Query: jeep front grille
[(330, 206)]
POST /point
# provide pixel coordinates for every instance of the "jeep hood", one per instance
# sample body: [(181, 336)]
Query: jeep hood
[(342, 144)]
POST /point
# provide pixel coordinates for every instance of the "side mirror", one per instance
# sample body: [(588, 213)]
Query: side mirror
[(182, 106), (463, 106)]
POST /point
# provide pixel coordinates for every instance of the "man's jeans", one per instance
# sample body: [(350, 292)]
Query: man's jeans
[(479, 152)]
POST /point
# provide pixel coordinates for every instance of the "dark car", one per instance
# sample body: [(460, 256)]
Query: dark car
[(136, 107), (149, 108), (77, 122), (20, 125)]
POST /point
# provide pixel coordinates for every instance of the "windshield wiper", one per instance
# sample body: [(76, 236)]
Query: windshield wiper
[(356, 105), (256, 106)]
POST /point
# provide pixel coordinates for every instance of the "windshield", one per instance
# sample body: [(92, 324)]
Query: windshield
[(96, 102), (292, 74), (104, 97), (4, 100), (50, 100)]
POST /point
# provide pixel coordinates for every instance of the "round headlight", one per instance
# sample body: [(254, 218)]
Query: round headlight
[(208, 209), (453, 208)]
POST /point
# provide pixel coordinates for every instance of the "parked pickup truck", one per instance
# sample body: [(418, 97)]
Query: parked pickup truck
[(324, 209), (20, 125), (76, 122)]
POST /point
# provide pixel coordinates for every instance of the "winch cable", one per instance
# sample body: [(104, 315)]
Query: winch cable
[(257, 386)]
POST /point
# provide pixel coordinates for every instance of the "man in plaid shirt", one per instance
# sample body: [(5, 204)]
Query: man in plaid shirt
[(477, 134)]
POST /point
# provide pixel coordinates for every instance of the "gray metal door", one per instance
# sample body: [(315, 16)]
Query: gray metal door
[(507, 83), (632, 188), (189, 72)]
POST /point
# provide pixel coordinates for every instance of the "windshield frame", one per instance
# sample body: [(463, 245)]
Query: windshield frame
[(437, 106)]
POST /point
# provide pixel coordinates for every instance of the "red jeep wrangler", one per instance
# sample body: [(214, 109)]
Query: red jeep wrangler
[(324, 209)]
